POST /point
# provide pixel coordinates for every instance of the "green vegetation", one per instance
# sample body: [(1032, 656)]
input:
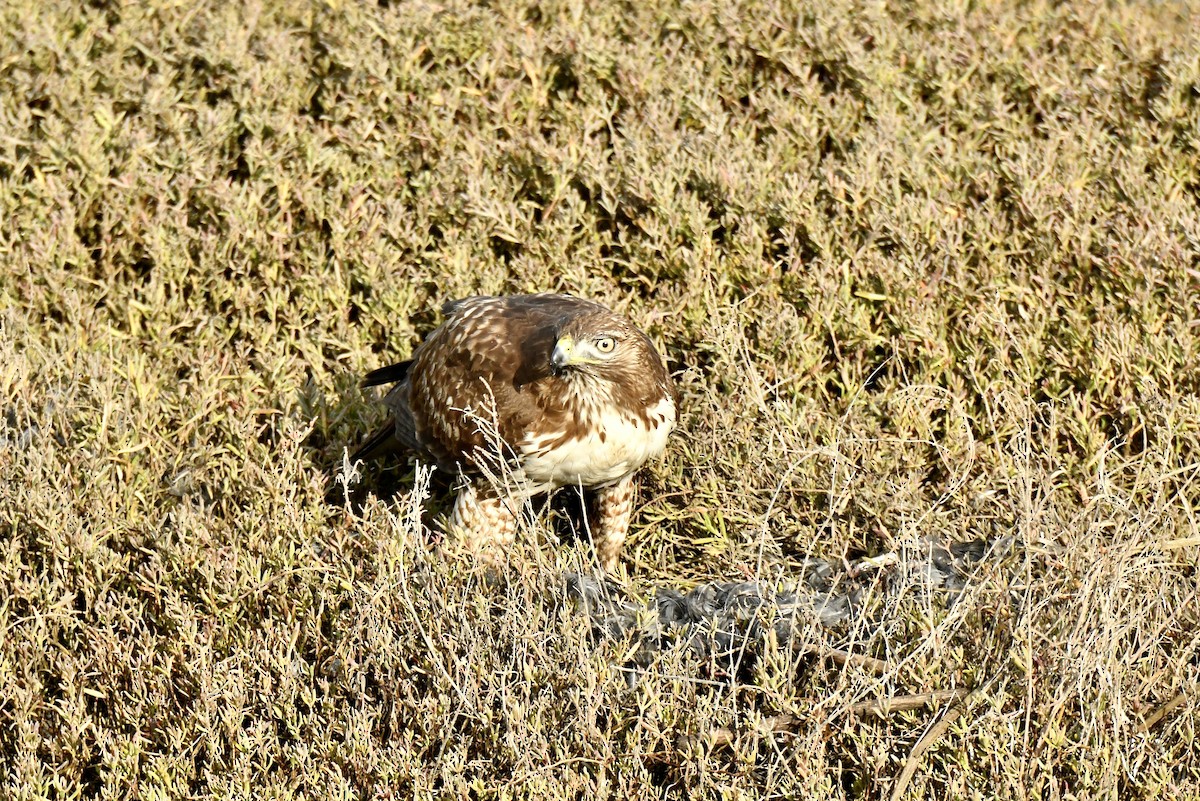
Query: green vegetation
[(923, 268)]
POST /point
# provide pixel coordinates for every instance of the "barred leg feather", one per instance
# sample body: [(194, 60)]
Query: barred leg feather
[(614, 508), (484, 522)]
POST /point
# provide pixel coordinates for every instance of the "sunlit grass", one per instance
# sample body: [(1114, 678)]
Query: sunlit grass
[(921, 270)]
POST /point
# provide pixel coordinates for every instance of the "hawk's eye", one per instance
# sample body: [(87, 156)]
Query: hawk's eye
[(605, 344)]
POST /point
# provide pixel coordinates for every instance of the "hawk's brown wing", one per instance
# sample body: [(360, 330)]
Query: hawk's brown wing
[(477, 375), (482, 374)]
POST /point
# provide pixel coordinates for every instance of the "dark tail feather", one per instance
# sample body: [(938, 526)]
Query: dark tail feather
[(387, 375), (379, 444)]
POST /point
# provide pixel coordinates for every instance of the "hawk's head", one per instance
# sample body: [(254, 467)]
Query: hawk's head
[(597, 345)]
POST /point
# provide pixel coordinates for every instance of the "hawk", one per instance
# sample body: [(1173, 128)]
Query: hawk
[(521, 395)]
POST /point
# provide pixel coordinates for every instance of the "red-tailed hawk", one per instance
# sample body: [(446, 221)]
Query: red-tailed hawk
[(524, 394)]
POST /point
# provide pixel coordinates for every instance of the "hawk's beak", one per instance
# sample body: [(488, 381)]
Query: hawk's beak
[(561, 357)]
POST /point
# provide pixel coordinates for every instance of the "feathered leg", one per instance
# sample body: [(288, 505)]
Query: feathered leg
[(613, 507), (485, 522)]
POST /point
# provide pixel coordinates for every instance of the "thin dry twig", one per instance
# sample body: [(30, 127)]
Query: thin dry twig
[(902, 703), (716, 738), (877, 666), (1157, 715), (932, 736), (882, 707)]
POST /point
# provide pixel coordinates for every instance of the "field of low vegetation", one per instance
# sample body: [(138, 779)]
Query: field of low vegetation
[(923, 270)]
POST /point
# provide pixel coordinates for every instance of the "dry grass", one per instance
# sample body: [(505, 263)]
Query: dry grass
[(923, 268)]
